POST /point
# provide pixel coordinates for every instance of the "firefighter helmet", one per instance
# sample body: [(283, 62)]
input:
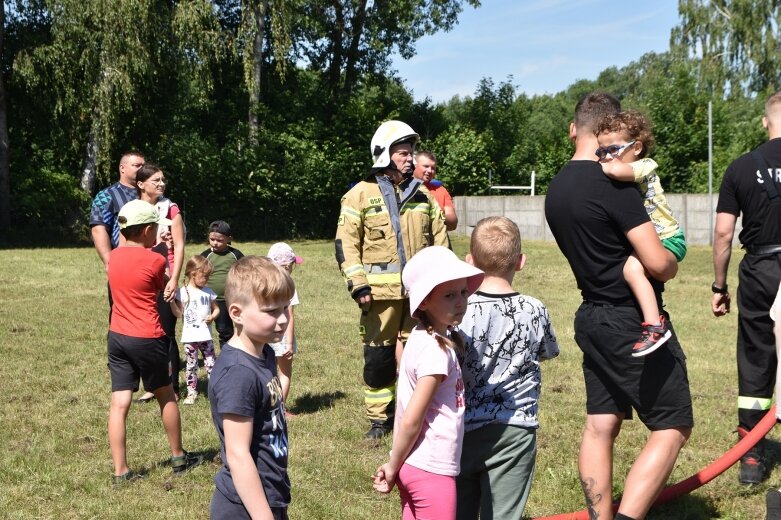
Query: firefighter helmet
[(390, 133)]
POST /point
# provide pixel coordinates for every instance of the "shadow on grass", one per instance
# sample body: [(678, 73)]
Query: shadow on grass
[(311, 403), (772, 454), (686, 507), (210, 456)]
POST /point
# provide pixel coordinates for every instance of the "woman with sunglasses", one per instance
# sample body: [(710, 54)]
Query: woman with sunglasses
[(150, 184), (625, 139)]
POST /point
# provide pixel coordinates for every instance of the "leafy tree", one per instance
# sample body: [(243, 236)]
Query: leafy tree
[(738, 41), (350, 38), (98, 55), (463, 161)]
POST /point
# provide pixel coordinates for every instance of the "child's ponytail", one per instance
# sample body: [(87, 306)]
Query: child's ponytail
[(454, 341)]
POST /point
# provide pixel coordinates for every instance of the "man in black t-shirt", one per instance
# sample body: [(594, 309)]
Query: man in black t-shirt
[(751, 186), (598, 223)]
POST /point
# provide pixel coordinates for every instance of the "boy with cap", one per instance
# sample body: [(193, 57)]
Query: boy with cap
[(283, 255), (222, 256), (137, 343)]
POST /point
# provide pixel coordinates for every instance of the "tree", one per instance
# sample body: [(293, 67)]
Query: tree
[(254, 15), (349, 38), (738, 41), (98, 56), (5, 172), (463, 161)]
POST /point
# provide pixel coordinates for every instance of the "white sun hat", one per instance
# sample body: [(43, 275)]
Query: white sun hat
[(432, 266)]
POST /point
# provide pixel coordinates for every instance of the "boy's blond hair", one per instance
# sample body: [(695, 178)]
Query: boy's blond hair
[(257, 278), (495, 245)]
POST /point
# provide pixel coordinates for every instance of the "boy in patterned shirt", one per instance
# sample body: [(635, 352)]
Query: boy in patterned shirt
[(507, 334)]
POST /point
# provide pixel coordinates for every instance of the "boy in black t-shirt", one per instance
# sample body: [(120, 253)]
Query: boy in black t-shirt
[(246, 396), (598, 223)]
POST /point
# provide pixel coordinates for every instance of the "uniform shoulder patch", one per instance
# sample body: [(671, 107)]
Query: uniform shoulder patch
[(375, 201)]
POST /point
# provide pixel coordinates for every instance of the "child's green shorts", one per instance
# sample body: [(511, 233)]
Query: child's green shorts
[(676, 244)]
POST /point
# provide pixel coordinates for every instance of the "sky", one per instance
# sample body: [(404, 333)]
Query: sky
[(545, 45)]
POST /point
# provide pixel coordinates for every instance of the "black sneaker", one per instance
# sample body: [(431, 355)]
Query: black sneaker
[(126, 478), (184, 463), (773, 503), (652, 337), (377, 431)]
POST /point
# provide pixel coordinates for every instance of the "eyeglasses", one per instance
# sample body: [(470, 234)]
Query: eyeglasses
[(157, 182), (614, 149)]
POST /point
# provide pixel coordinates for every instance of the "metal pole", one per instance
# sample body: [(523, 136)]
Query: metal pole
[(710, 172), (533, 184)]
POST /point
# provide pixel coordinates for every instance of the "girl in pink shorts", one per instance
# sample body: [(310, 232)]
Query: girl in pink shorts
[(429, 424)]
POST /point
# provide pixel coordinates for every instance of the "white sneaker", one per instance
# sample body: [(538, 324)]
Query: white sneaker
[(190, 399)]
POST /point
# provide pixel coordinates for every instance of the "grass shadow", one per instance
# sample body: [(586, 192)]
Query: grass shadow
[(311, 403), (210, 456), (686, 507), (772, 454)]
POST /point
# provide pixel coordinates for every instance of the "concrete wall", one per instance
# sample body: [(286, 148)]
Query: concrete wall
[(692, 212)]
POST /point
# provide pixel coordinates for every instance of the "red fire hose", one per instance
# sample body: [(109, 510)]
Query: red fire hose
[(705, 475)]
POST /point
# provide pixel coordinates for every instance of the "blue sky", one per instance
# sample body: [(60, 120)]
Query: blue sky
[(546, 45)]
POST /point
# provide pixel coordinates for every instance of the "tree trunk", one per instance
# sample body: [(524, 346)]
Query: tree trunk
[(88, 172), (350, 70), (259, 13), (337, 54), (5, 171)]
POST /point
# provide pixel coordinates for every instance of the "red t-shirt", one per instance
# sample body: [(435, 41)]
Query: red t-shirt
[(136, 275), (441, 195)]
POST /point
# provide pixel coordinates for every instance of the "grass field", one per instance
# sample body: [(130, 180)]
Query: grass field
[(54, 394)]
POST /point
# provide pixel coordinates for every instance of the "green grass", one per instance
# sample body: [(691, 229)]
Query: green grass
[(55, 391)]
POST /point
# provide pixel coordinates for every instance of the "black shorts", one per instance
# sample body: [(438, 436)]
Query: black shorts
[(131, 358), (656, 385)]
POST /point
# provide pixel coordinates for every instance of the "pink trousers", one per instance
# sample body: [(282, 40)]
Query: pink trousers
[(426, 496)]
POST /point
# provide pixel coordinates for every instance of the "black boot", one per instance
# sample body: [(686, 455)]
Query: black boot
[(378, 430), (753, 465)]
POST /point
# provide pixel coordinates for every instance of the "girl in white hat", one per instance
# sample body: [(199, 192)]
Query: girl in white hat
[(429, 424)]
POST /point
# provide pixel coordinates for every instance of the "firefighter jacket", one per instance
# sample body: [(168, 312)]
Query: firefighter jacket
[(366, 242)]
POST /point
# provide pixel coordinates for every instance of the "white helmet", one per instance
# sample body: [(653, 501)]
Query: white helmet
[(388, 134)]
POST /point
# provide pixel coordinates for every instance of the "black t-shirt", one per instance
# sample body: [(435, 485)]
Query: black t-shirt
[(589, 215), (248, 386), (742, 191)]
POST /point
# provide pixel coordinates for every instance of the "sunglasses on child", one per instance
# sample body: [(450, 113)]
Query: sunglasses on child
[(614, 149)]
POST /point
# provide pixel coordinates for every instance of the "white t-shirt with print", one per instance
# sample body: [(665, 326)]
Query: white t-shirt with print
[(196, 307), (506, 336)]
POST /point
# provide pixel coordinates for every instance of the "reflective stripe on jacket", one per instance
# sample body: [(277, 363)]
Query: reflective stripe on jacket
[(366, 243)]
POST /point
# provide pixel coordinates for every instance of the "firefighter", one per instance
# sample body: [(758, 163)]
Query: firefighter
[(384, 220)]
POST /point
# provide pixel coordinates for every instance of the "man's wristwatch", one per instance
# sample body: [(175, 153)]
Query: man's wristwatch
[(719, 290)]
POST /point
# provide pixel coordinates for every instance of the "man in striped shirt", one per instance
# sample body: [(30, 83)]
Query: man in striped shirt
[(104, 227)]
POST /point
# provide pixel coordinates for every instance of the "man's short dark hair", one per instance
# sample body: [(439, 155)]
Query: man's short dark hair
[(592, 108)]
